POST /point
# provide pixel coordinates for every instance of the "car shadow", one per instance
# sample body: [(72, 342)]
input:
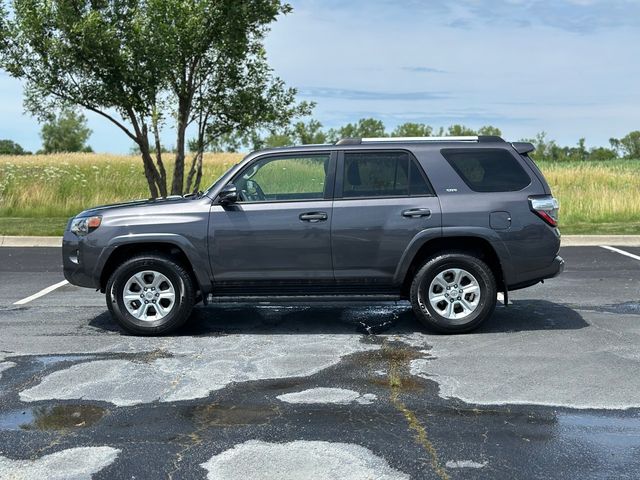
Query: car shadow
[(385, 318), (532, 315)]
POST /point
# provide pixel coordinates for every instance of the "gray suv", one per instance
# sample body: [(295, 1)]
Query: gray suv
[(443, 222)]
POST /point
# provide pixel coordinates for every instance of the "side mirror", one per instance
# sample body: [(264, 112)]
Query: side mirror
[(228, 194)]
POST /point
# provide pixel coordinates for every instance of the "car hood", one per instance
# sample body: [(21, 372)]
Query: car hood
[(105, 209)]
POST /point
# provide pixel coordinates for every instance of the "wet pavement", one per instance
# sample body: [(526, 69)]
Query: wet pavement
[(547, 388)]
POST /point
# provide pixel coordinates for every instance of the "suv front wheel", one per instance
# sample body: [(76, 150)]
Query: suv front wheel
[(453, 293), (150, 295)]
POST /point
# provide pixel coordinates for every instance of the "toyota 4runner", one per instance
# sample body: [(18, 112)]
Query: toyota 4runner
[(443, 222)]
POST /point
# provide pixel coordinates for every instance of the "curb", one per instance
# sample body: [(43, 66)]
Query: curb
[(567, 241), (10, 241), (599, 240)]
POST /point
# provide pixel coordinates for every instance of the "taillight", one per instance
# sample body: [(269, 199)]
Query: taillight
[(546, 207)]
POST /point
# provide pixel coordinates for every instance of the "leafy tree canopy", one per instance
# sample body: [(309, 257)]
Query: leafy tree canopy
[(146, 65), (9, 147), (629, 145), (67, 132)]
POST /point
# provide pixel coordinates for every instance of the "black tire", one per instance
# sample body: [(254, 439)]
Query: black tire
[(429, 316), (181, 281)]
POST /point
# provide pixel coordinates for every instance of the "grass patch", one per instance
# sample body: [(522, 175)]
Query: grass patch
[(63, 185), (39, 193), (19, 226), (625, 228), (596, 197)]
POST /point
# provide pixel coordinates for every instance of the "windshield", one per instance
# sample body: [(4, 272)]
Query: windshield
[(217, 182)]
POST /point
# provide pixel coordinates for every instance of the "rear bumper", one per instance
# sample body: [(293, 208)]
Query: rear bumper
[(557, 267), (553, 270)]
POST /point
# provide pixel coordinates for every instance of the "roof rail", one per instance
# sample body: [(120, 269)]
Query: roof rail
[(469, 138)]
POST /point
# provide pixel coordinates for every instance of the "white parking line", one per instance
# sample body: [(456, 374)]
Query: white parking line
[(41, 293), (621, 252)]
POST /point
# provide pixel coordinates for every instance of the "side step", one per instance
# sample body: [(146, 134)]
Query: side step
[(279, 299)]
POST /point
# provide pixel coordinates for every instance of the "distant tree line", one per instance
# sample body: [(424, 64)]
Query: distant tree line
[(627, 147), (68, 132), (312, 132)]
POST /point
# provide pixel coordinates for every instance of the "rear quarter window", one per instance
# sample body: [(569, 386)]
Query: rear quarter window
[(488, 169)]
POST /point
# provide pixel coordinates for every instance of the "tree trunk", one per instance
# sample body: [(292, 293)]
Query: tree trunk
[(149, 174), (150, 171), (178, 169), (195, 172), (196, 186), (162, 172)]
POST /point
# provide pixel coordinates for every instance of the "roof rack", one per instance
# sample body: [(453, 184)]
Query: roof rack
[(470, 138)]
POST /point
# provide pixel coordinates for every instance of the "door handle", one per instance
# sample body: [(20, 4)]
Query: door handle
[(416, 213), (313, 217)]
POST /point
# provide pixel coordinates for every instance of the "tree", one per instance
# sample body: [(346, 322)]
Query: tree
[(309, 133), (490, 131), (602, 154), (366, 127), (67, 132), (410, 129), (9, 147), (460, 131), (629, 145), (139, 64), (277, 140)]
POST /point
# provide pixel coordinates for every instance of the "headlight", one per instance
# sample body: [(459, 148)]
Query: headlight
[(83, 225)]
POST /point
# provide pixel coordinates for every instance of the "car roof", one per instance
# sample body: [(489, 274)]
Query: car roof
[(390, 142)]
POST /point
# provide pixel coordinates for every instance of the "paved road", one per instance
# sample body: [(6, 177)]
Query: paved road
[(548, 388)]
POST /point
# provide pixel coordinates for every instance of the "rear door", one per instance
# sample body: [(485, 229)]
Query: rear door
[(383, 200)]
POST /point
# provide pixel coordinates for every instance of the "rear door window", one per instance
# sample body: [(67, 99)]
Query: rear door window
[(382, 174), (487, 169)]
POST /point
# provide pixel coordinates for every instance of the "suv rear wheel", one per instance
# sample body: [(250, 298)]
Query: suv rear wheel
[(150, 295), (453, 293)]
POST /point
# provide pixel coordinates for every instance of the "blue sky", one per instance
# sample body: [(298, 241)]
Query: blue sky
[(568, 67)]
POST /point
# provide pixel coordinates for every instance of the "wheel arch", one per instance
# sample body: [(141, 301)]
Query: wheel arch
[(181, 251), (476, 245)]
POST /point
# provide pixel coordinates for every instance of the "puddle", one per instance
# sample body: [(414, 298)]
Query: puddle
[(152, 356), (391, 353), (59, 417), (231, 415), (603, 431), (280, 385), (375, 329), (14, 420), (47, 360), (626, 308), (400, 383)]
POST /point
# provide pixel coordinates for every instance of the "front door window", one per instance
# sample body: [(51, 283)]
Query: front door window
[(284, 179)]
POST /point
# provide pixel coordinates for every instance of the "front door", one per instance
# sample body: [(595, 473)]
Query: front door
[(277, 236), (383, 200)]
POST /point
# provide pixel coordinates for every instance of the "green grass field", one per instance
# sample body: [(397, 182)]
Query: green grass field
[(39, 193)]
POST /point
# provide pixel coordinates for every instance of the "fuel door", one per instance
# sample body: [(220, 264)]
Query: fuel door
[(500, 220)]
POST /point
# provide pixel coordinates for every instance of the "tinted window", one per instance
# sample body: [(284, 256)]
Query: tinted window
[(417, 183), (488, 170), (381, 174), (284, 178)]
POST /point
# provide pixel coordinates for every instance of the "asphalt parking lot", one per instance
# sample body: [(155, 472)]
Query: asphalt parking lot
[(548, 388)]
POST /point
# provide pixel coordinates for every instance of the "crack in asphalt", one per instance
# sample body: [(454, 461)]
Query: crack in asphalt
[(399, 362)]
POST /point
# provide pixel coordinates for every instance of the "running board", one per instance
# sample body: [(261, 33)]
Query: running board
[(277, 299)]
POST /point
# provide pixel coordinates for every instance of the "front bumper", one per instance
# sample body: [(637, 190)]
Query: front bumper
[(76, 264)]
